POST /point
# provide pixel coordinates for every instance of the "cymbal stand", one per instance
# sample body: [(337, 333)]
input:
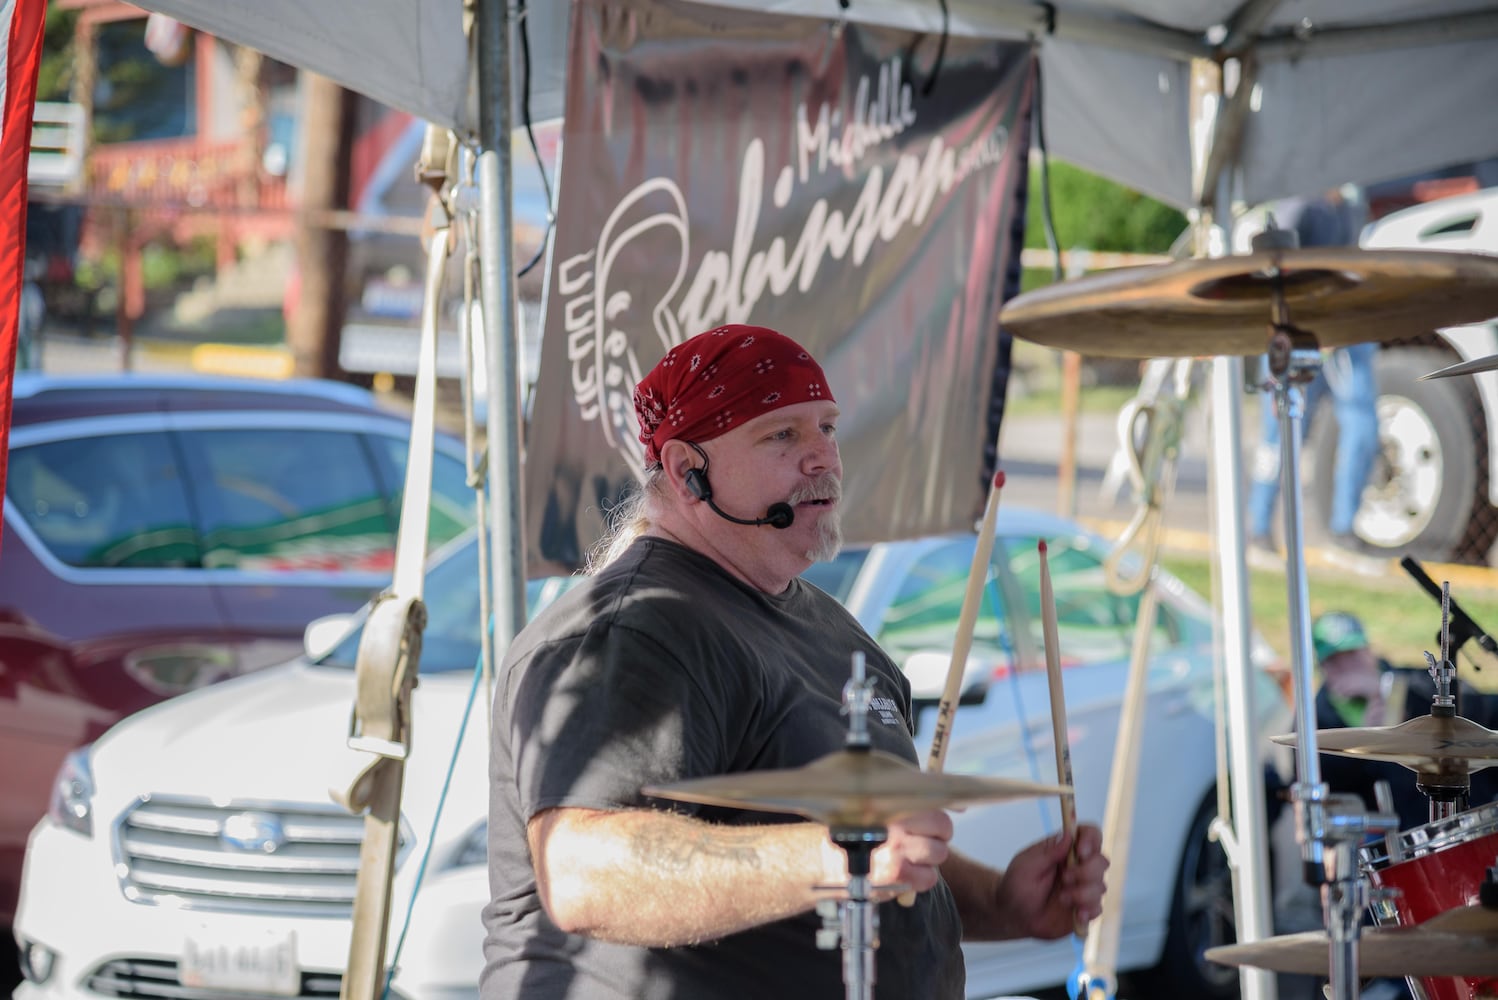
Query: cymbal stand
[(1448, 784), (1294, 358), (854, 921), (1344, 894)]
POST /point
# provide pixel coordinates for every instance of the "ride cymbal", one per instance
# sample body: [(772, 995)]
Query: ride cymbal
[(1417, 744), (1223, 305), (1460, 942), (850, 788), (1472, 367)]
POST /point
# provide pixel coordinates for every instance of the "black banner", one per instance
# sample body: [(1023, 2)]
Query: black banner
[(852, 187)]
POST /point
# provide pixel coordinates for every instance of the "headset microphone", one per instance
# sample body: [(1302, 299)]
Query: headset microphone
[(780, 515)]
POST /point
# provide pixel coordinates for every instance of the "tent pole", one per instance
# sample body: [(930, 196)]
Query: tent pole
[(1245, 837), (497, 289)]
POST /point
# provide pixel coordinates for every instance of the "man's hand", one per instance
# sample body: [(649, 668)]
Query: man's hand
[(914, 849), (1044, 894)]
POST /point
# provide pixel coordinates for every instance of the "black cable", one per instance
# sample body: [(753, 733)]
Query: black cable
[(530, 133), (941, 51), (1047, 219)]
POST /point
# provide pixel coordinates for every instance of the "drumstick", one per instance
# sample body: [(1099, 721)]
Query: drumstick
[(1058, 708), (967, 620)]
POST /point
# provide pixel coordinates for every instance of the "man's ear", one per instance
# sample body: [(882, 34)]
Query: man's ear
[(677, 459)]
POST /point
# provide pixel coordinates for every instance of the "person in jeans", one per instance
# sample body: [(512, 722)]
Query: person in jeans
[(1347, 374)]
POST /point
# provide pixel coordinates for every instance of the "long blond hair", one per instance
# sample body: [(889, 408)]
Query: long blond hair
[(627, 520)]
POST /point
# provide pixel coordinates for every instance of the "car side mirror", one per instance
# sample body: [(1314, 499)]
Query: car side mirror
[(322, 634), (927, 672)]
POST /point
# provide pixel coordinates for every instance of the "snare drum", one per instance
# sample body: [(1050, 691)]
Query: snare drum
[(1435, 868)]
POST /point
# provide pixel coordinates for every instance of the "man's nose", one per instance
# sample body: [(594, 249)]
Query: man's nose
[(823, 456)]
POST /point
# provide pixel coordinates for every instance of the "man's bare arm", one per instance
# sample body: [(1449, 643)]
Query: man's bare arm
[(658, 879)]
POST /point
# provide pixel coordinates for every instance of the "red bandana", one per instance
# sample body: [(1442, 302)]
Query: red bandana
[(715, 381)]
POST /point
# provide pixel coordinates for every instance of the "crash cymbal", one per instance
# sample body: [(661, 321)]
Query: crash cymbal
[(1472, 367), (850, 788), (1223, 305), (1460, 942), (1419, 744)]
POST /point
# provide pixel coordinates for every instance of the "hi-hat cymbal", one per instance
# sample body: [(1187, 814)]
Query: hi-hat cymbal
[(850, 788), (1417, 744), (1223, 305), (1472, 367), (1459, 942)]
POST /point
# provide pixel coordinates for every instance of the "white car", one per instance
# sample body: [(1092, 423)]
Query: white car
[(193, 852)]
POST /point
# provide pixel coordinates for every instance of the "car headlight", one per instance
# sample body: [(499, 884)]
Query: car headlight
[(475, 848), (72, 803)]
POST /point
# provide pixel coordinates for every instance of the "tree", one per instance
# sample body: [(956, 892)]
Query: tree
[(1094, 213)]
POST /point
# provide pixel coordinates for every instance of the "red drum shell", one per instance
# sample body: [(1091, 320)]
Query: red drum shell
[(1439, 867)]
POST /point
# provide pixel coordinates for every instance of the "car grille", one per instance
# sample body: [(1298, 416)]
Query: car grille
[(154, 978), (243, 858)]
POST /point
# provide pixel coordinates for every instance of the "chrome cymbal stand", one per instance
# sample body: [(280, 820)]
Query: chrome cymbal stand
[(1328, 827), (854, 920), (1447, 783)]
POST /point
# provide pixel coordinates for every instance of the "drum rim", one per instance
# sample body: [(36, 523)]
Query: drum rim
[(1451, 831)]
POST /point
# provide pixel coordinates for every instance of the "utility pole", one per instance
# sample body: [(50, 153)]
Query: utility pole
[(316, 322)]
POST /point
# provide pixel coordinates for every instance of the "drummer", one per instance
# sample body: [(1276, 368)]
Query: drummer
[(695, 650)]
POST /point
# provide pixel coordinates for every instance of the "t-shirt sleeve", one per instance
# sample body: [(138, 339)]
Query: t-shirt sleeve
[(593, 721)]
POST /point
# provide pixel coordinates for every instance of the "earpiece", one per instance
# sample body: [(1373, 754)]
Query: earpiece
[(698, 484)]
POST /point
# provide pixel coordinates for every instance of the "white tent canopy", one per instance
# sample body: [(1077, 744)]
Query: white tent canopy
[(1347, 90)]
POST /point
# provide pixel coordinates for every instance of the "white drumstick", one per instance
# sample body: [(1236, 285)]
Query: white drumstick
[(1058, 707)]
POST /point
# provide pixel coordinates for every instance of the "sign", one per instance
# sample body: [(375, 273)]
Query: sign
[(853, 187)]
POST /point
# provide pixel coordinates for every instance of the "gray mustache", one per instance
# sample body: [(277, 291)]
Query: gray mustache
[(823, 488)]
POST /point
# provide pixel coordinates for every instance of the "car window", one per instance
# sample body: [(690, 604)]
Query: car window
[(1093, 624), (924, 613), (274, 499), (453, 509), (112, 500), (450, 640)]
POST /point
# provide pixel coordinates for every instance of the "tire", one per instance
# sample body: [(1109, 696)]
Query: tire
[(1201, 917), (1426, 495)]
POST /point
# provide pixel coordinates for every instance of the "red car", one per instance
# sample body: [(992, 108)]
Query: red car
[(165, 532)]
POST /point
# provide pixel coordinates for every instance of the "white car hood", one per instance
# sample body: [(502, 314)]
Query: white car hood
[(280, 735)]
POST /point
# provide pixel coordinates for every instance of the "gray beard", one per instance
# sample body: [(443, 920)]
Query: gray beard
[(829, 539)]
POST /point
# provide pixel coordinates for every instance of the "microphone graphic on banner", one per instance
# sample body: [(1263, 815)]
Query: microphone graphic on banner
[(780, 515)]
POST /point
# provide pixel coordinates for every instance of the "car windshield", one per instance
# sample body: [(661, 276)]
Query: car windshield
[(836, 577), (450, 640)]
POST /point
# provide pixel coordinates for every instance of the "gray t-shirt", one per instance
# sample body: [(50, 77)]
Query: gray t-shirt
[(664, 667)]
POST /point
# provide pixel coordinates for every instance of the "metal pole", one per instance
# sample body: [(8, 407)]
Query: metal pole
[(502, 349), (1252, 899)]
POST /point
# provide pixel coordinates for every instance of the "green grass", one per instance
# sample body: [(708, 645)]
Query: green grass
[(1401, 619)]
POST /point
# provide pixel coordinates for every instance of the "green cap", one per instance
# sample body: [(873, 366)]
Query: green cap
[(1337, 632)]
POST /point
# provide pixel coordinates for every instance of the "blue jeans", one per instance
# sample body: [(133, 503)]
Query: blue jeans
[(1347, 373)]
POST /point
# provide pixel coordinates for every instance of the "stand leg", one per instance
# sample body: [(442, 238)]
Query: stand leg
[(860, 915)]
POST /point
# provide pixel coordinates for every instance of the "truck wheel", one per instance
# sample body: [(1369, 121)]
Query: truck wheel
[(1429, 480)]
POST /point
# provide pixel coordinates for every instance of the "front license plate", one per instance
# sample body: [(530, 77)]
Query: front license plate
[(262, 962)]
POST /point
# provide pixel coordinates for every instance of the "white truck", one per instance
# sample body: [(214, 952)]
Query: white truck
[(1432, 492)]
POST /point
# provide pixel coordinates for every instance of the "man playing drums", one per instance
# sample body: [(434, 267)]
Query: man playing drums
[(696, 650)]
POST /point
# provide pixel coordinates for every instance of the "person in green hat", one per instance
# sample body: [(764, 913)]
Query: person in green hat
[(1360, 688)]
